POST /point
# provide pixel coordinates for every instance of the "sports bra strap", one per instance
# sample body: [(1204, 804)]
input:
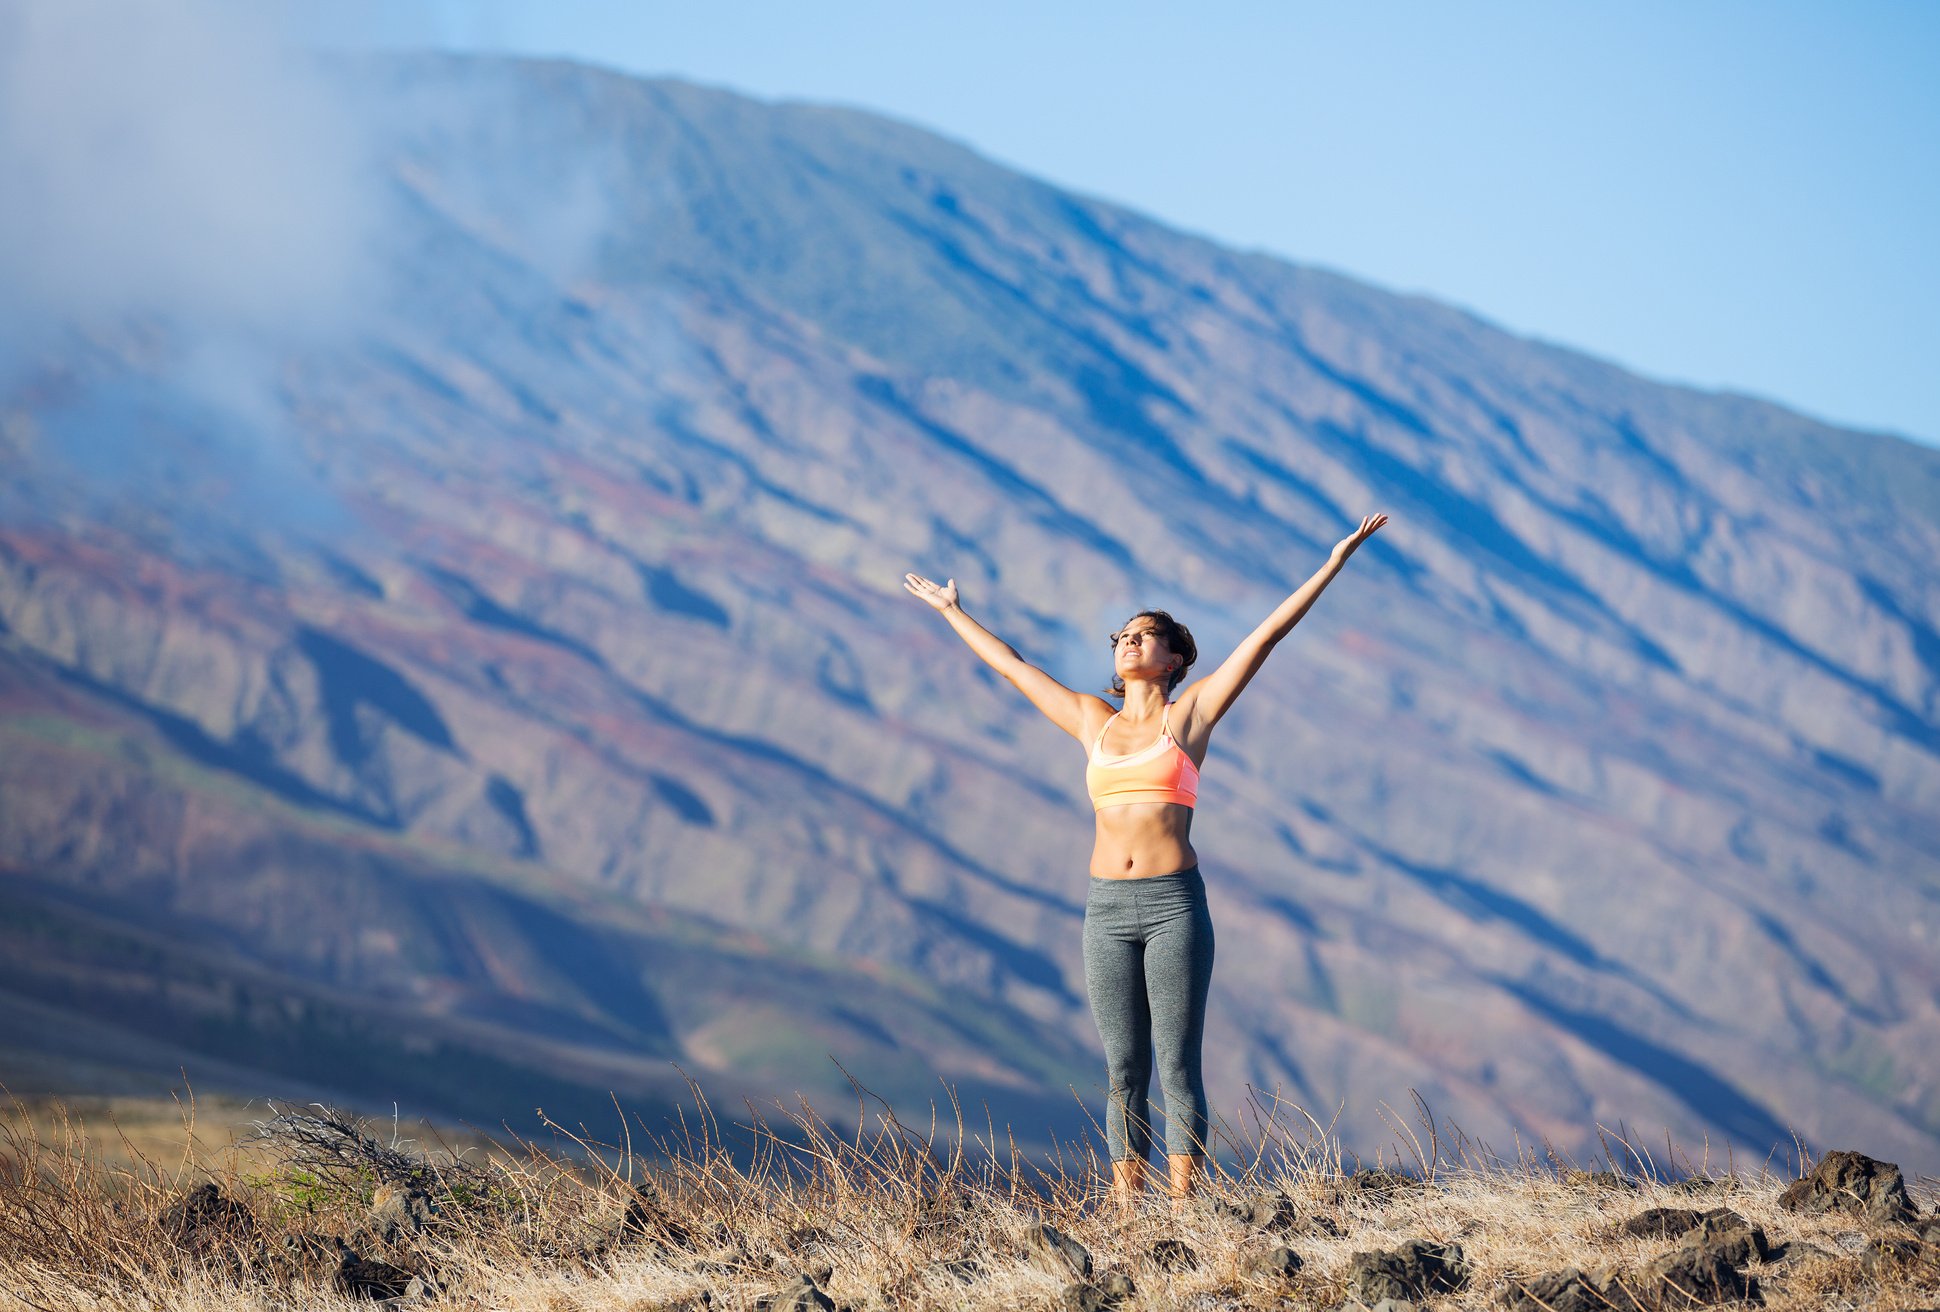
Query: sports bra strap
[(1165, 727), (1098, 743)]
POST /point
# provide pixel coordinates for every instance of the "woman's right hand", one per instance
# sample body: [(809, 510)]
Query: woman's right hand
[(942, 597)]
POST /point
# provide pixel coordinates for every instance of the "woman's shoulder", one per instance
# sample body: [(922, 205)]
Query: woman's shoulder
[(1095, 711), (1183, 711)]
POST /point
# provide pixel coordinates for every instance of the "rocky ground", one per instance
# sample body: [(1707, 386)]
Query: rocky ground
[(325, 1210)]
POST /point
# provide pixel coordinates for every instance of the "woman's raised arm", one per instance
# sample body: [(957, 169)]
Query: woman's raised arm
[(1205, 700), (1060, 704)]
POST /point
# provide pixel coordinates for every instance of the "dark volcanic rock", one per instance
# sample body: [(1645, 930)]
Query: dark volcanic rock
[(1081, 1296), (1273, 1212), (304, 1255), (1720, 1228), (809, 1239), (1052, 1251), (1278, 1262), (1799, 1252), (701, 1302), (1728, 1234), (646, 1218), (1844, 1181), (1890, 1254), (1415, 1270), (1568, 1290), (208, 1220), (1688, 1275), (1172, 1255), (804, 1295), (1659, 1222), (397, 1214), (1682, 1278), (1111, 1290), (1702, 1268), (365, 1277), (1320, 1223), (963, 1270)]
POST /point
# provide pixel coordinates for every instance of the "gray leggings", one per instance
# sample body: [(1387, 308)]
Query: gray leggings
[(1148, 968)]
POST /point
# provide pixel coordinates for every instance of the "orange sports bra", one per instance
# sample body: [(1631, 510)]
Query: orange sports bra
[(1159, 773)]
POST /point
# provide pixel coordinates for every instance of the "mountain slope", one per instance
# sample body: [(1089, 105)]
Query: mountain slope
[(1599, 789)]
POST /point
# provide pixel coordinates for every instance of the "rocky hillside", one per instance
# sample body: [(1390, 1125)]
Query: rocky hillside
[(516, 696)]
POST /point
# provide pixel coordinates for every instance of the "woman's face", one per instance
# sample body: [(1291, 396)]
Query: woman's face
[(1138, 652)]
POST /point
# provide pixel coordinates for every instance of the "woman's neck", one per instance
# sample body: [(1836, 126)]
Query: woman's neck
[(1143, 701)]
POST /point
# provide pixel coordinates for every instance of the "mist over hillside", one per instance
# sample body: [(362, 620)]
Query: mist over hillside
[(500, 688)]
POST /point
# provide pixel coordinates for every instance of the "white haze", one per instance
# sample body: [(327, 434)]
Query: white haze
[(189, 166), (174, 158)]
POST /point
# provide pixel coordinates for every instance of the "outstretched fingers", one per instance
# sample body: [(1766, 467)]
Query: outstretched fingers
[(1347, 545), (918, 586)]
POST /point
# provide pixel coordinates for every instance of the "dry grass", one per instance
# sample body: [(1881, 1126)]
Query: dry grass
[(876, 1213)]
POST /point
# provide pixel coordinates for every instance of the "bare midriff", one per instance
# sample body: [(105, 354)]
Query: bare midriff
[(1142, 839)]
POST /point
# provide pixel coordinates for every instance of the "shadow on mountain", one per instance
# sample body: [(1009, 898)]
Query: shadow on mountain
[(247, 757), (349, 679), (668, 593), (1722, 1103), (481, 609)]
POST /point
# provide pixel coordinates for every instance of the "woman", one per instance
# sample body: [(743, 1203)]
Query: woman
[(1148, 941)]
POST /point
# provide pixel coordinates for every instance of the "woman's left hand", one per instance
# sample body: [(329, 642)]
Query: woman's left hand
[(1345, 547)]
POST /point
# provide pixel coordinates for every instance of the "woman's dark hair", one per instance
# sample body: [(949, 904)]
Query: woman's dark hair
[(1178, 641)]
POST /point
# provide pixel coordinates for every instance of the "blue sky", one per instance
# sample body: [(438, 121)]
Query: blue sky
[(1727, 193)]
